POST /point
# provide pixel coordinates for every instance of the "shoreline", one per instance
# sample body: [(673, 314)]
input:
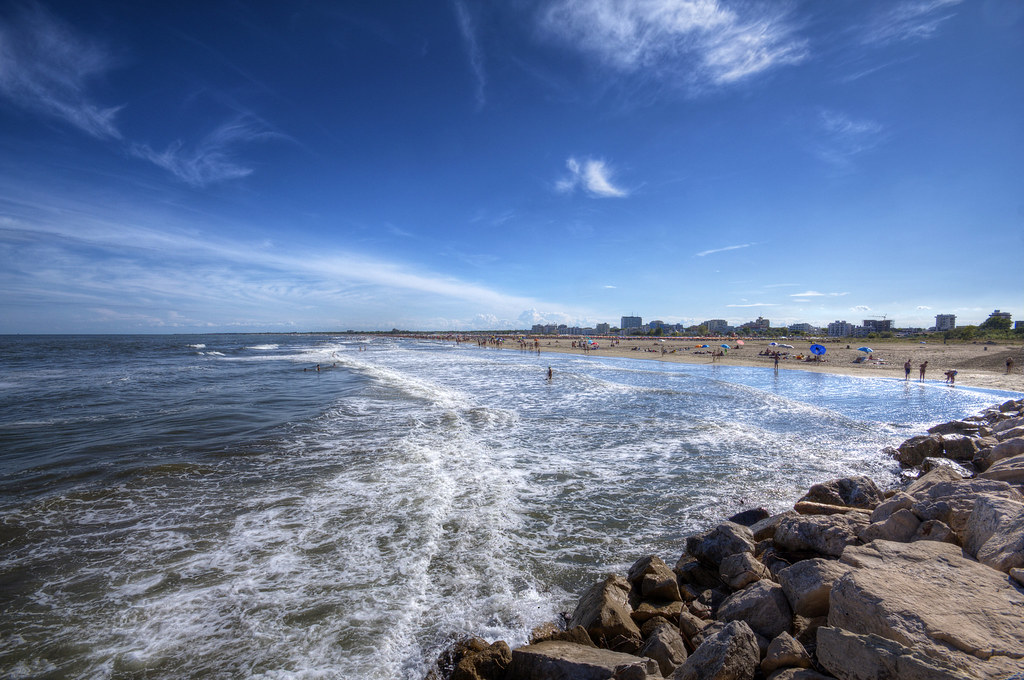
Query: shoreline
[(977, 365)]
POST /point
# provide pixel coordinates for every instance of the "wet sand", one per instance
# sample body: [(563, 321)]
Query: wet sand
[(977, 365)]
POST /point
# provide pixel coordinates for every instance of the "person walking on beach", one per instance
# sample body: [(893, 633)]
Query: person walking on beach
[(1009, 365), (906, 369), (923, 366)]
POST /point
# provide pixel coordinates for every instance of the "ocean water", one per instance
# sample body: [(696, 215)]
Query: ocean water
[(213, 506)]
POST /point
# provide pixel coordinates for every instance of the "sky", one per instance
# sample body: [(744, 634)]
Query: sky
[(457, 165)]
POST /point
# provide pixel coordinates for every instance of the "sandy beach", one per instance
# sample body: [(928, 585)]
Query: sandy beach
[(977, 364)]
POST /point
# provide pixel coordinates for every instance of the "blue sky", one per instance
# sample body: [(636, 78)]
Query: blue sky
[(228, 166)]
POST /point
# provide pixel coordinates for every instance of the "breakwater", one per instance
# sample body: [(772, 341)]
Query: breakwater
[(925, 580)]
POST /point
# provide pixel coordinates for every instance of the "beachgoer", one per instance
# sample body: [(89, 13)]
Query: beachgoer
[(776, 361), (950, 377), (1009, 365), (906, 369), (550, 374), (922, 368)]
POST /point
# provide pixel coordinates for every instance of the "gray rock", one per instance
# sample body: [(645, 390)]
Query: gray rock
[(929, 464), (785, 652), (995, 533), (711, 547), (653, 579), (922, 484), (763, 606), (665, 646), (900, 526), (694, 573), (1004, 449), (740, 570), (650, 609), (958, 447), (1017, 575), (928, 597), (472, 657), (823, 534), (898, 501), (916, 449), (952, 502), (954, 427), (765, 529), (1007, 424), (1011, 432), (730, 654), (934, 530), (807, 585), (1010, 470), (850, 656), (853, 492), (605, 612), (798, 674), (690, 626), (558, 659)]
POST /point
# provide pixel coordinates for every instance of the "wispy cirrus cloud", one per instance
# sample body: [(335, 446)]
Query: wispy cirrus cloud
[(908, 20), (844, 137), (467, 29), (213, 159), (704, 253), (46, 67), (756, 304), (696, 43), (593, 176), (814, 293)]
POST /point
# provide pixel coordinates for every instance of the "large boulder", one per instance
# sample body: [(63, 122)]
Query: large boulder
[(807, 585), (729, 654), (605, 612), (785, 652), (922, 484), (763, 606), (713, 546), (916, 449), (900, 526), (995, 533), (952, 502), (853, 492), (822, 534), (1004, 449), (472, 658), (849, 656), (1010, 470), (955, 427), (665, 645), (928, 597), (765, 529), (740, 570), (653, 579), (559, 659), (958, 447), (898, 501)]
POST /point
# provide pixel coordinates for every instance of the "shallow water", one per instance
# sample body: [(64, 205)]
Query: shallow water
[(187, 506)]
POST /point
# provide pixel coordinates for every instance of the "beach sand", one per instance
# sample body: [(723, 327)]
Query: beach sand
[(977, 364)]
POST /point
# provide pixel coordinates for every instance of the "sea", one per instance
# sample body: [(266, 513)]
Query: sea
[(213, 506)]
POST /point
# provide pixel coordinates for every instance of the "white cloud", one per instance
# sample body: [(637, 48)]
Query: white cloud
[(722, 250), (923, 307), (698, 43), (814, 293), (46, 67), (473, 51), (845, 137), (908, 20), (756, 304), (860, 308), (212, 159), (593, 176), (611, 286)]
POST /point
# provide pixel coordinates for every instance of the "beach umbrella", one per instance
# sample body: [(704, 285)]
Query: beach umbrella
[(865, 349), (772, 344), (703, 346), (740, 342), (725, 346), (818, 349)]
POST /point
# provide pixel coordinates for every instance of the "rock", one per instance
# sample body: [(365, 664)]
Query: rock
[(472, 658), (692, 572), (765, 529), (1007, 425), (995, 533), (713, 546), (558, 659), (900, 526), (665, 646), (649, 609), (916, 449), (690, 626), (823, 534), (730, 654), (922, 484), (775, 561), (849, 656), (1010, 433), (798, 674), (807, 585), (958, 447), (749, 517), (740, 570), (1017, 575), (805, 630), (898, 501), (928, 597), (855, 492), (1010, 470), (810, 508), (605, 612), (954, 427), (653, 579), (929, 464), (550, 631), (952, 502), (1004, 449), (934, 530), (763, 606), (785, 652)]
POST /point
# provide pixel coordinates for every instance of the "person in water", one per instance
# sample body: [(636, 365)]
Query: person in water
[(550, 375), (906, 369)]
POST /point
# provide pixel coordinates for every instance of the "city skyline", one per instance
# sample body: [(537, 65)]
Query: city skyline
[(459, 165)]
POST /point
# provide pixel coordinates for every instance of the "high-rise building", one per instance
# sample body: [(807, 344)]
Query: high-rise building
[(631, 322), (945, 322), (717, 325), (840, 329), (603, 328)]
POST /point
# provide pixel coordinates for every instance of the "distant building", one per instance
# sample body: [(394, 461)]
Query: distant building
[(603, 328), (945, 322), (717, 326), (840, 329), (537, 329), (631, 322), (877, 325), (802, 327), (1000, 315), (1018, 325), (656, 324)]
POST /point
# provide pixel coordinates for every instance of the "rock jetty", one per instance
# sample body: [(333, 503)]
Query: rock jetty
[(855, 583)]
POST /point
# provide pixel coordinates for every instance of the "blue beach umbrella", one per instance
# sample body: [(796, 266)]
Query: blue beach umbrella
[(725, 346), (818, 349), (865, 349)]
